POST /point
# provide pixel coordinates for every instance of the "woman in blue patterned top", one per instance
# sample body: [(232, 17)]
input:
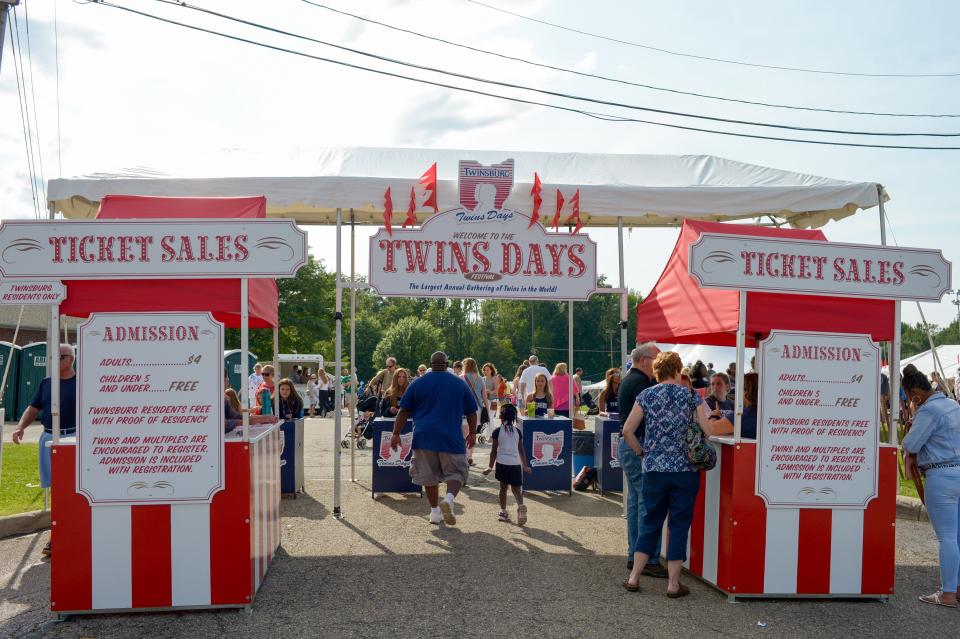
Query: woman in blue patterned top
[(670, 483)]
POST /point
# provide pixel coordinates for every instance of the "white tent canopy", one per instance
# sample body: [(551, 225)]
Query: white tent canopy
[(949, 355), (645, 190)]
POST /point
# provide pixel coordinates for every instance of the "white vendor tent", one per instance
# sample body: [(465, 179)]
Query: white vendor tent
[(643, 190), (949, 355), (348, 184)]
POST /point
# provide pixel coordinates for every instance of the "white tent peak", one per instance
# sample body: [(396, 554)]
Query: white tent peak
[(642, 190)]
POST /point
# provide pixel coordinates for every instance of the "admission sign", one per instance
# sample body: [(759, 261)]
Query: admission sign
[(817, 424), (150, 408), (483, 250)]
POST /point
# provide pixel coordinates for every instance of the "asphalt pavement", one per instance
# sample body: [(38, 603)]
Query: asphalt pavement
[(384, 571)]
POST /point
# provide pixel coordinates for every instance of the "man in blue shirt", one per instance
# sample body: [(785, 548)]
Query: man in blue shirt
[(68, 414), (437, 402)]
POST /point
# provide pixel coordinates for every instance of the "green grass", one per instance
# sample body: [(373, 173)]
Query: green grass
[(907, 488), (20, 490)]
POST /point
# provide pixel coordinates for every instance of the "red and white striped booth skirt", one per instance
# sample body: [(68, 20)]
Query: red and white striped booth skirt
[(155, 557), (745, 549)]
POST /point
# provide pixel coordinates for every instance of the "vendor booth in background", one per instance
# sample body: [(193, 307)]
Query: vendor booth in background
[(10, 362), (808, 508), (153, 507)]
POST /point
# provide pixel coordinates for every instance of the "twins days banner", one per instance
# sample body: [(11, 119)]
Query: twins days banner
[(483, 250)]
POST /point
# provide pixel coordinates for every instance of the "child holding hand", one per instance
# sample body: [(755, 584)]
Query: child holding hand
[(508, 458)]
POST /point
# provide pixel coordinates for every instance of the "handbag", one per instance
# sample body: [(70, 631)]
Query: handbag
[(700, 453)]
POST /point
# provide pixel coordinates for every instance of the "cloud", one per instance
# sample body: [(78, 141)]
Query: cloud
[(587, 62), (42, 43), (431, 119)]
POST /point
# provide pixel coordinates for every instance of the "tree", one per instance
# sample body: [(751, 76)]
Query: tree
[(411, 340)]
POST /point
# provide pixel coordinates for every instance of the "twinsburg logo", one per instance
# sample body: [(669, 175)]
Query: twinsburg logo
[(389, 457), (547, 448), (484, 188)]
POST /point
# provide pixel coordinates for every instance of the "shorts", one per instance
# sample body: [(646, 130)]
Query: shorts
[(46, 462), (430, 467), (510, 474)]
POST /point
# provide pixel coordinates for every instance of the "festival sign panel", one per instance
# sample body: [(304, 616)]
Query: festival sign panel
[(137, 249), (819, 268), (818, 420), (150, 408), (482, 250), (32, 292)]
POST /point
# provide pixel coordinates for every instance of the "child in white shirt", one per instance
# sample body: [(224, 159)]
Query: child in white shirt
[(508, 457)]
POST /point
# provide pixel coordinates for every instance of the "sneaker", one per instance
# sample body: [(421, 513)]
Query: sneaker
[(435, 517), (446, 508), (504, 516), (521, 515), (654, 570), (46, 552)]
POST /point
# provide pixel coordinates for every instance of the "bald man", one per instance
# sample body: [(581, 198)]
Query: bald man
[(437, 403)]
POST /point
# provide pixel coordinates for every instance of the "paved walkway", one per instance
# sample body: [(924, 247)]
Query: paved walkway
[(383, 571)]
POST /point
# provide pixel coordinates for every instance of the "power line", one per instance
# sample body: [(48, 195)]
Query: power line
[(641, 85), (591, 114), (56, 47), (567, 96), (682, 54), (33, 99), (24, 107)]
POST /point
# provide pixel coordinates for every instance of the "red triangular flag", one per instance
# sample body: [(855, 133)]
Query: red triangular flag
[(556, 216), (537, 200), (575, 205), (412, 210), (387, 211), (429, 183)]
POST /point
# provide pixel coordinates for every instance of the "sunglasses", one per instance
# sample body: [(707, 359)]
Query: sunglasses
[(65, 355), (268, 374)]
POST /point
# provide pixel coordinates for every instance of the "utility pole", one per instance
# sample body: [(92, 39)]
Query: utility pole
[(956, 302), (610, 333), (4, 9)]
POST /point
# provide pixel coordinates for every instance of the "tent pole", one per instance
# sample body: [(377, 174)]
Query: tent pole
[(895, 377), (937, 366), (894, 365), (244, 351), (353, 343), (338, 392), (624, 308), (571, 405), (741, 346), (276, 367)]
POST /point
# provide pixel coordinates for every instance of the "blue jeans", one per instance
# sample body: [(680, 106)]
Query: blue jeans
[(672, 494), (632, 466), (943, 507)]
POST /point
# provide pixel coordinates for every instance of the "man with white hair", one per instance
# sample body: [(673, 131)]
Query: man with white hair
[(528, 378), (68, 414), (638, 379)]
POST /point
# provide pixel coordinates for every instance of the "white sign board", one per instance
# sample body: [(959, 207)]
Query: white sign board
[(138, 249), (32, 292), (818, 268), (150, 408), (818, 420), (492, 254)]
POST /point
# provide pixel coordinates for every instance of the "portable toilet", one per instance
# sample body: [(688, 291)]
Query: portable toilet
[(33, 368), (235, 372), (10, 352)]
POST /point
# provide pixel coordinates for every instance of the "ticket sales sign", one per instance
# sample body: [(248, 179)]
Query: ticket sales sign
[(818, 419), (137, 249), (818, 268), (150, 408)]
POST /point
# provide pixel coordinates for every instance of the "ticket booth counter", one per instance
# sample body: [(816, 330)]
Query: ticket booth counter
[(159, 557), (548, 443), (808, 508), (745, 549)]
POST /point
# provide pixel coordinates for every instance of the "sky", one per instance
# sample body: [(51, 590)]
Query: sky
[(139, 95)]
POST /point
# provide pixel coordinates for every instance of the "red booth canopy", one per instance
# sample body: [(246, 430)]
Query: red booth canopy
[(218, 296), (679, 311)]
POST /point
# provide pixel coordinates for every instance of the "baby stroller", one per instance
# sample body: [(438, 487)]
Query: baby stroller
[(363, 426)]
